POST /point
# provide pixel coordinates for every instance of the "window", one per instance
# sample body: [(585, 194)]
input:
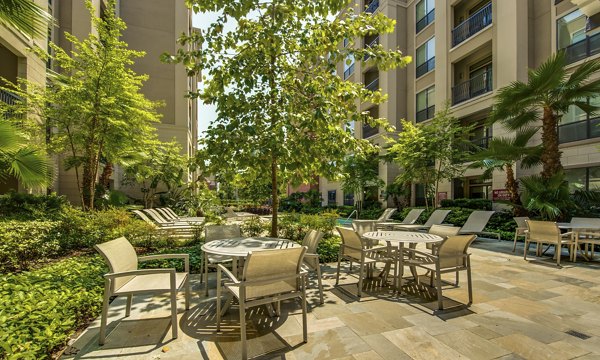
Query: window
[(425, 57), (332, 197), (348, 66), (576, 124), (570, 29), (349, 199), (583, 178), (425, 13), (425, 104)]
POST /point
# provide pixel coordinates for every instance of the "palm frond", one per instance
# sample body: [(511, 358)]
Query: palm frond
[(523, 118), (549, 76), (29, 166), (25, 16)]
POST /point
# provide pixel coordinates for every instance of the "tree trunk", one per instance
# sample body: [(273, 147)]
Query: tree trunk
[(512, 186), (107, 172), (275, 196), (88, 186), (551, 154)]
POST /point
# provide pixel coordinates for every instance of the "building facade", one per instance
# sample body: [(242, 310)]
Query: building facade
[(464, 51), (153, 26)]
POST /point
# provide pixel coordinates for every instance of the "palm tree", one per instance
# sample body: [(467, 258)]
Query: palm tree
[(26, 16), (502, 154), (18, 159), (546, 96)]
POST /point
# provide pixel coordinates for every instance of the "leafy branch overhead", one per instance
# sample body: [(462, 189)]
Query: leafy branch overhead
[(281, 107)]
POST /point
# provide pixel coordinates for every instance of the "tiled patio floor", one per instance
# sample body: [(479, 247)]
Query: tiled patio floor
[(521, 310)]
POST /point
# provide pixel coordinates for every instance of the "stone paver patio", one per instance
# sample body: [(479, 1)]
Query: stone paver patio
[(521, 310)]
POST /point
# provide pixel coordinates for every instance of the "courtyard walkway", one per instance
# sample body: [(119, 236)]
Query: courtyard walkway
[(530, 310)]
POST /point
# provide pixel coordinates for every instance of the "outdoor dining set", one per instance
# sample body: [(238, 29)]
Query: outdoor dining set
[(255, 271)]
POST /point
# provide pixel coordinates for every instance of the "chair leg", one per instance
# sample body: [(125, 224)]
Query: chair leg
[(515, 242), (187, 292), (438, 285), (320, 282), (469, 283), (525, 249), (457, 277), (558, 251), (304, 320), (206, 275), (360, 277), (128, 307), (104, 316), (174, 325), (337, 276), (243, 329), (218, 299)]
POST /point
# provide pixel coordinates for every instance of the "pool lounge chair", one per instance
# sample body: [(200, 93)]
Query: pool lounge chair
[(476, 222), (410, 218), (436, 218)]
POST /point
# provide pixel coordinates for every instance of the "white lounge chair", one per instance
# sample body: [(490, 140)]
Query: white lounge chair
[(170, 215), (436, 218), (410, 218), (476, 222), (175, 230), (124, 278)]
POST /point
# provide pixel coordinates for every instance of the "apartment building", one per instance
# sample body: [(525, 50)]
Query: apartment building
[(463, 52), (152, 26)]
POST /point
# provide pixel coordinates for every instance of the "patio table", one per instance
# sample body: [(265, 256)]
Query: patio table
[(577, 228), (398, 239)]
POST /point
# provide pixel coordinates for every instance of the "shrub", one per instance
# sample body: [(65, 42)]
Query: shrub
[(328, 249), (295, 226), (23, 243), (475, 204), (371, 214), (195, 259), (254, 226), (31, 207), (41, 309)]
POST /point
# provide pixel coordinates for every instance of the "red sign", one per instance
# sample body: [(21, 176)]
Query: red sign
[(500, 194), (442, 196)]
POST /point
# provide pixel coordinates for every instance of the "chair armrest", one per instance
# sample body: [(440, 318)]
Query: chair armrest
[(420, 253), (185, 257), (139, 272), (272, 279), (311, 256), (229, 274)]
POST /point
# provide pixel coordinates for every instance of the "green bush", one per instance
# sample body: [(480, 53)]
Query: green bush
[(475, 204), (371, 214), (41, 309), (23, 243), (254, 226), (328, 249), (195, 259), (31, 207), (295, 226)]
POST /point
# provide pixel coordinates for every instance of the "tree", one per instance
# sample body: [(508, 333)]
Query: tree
[(94, 105), (17, 158), (502, 154), (25, 16), (429, 153), (546, 96), (161, 166), (280, 106), (359, 172)]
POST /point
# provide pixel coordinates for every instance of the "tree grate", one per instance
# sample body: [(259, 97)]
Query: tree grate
[(578, 334)]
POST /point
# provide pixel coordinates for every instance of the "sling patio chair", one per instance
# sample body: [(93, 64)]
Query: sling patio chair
[(476, 222), (410, 218), (450, 256), (311, 258), (521, 229), (211, 233), (269, 276), (125, 278), (442, 230), (436, 218), (547, 232), (354, 248), (587, 237)]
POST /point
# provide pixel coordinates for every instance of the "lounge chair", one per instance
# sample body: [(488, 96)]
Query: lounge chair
[(436, 218), (124, 278), (170, 215), (450, 256), (476, 222), (269, 276), (162, 220), (410, 218), (175, 230), (547, 232), (211, 233), (521, 229), (311, 258)]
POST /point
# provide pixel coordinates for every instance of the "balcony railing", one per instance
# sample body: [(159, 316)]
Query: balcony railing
[(481, 143), (349, 71), (473, 87), (368, 131), (425, 67), (425, 114), (474, 24), (581, 130), (370, 45), (373, 85), (372, 7), (425, 20), (8, 98), (583, 49)]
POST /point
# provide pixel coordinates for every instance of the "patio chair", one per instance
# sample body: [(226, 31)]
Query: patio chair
[(521, 229), (588, 236), (354, 248), (451, 256), (441, 230), (124, 278), (269, 276), (547, 232), (311, 258), (476, 222), (410, 218), (211, 233), (436, 218)]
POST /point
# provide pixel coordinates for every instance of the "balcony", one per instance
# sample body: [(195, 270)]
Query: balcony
[(425, 114), (425, 20), (368, 131), (349, 71), (580, 130), (481, 143), (372, 7), (582, 49), (477, 85), (371, 42), (474, 24), (425, 67), (8, 98), (373, 85)]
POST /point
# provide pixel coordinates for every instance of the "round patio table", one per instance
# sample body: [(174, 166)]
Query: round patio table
[(241, 246), (577, 228), (398, 239)]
